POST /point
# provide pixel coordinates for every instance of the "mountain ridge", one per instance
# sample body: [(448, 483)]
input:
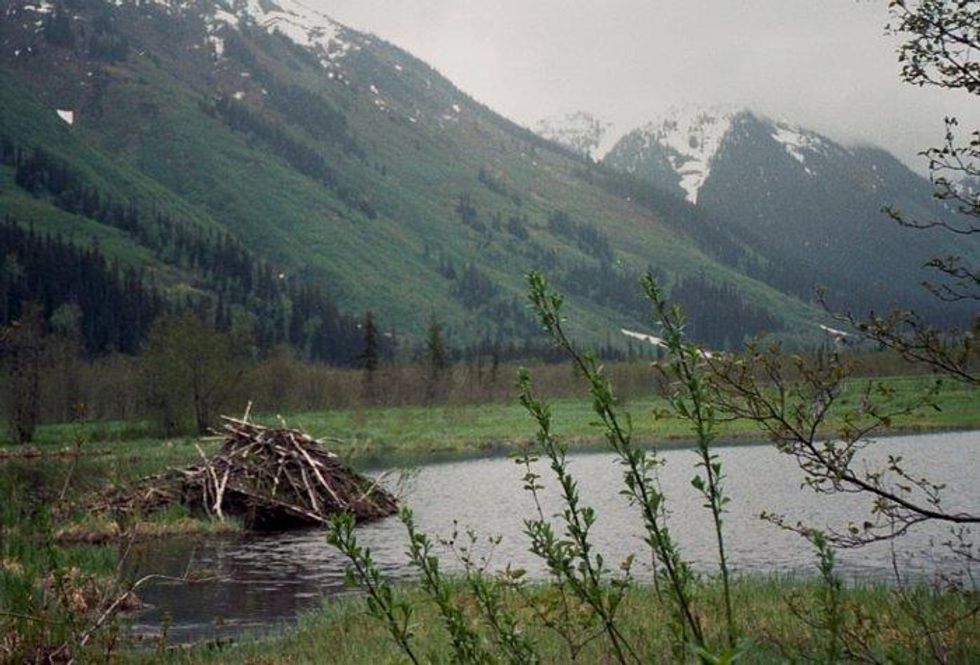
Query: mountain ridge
[(399, 194), (802, 199)]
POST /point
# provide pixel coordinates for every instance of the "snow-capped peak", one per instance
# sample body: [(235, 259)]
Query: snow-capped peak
[(685, 144), (691, 138), (298, 22), (305, 26)]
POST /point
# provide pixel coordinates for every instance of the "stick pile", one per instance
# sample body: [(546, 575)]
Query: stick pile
[(278, 479), (271, 478)]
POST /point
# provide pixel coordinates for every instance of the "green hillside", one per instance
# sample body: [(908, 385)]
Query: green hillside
[(363, 172)]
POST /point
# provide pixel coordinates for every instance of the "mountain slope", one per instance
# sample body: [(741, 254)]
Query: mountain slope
[(810, 205), (353, 166)]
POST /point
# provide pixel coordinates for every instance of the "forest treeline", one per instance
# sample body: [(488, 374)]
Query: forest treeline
[(91, 334), (188, 373), (117, 303), (114, 305)]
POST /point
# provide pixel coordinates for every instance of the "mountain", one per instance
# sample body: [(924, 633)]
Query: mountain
[(676, 152), (812, 206), (261, 161)]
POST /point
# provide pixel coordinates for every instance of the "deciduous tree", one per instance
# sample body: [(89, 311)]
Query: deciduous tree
[(190, 372)]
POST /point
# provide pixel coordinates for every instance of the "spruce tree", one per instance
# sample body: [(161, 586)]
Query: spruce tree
[(437, 361), (23, 353), (370, 356)]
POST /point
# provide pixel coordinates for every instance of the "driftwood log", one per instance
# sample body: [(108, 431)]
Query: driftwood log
[(270, 478)]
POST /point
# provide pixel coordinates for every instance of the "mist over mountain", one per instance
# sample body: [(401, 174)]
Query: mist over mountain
[(581, 132), (798, 197)]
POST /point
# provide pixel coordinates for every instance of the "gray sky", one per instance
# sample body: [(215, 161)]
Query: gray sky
[(825, 64)]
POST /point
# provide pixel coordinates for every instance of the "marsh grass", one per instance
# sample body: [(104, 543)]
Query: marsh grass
[(391, 435), (47, 591), (342, 631)]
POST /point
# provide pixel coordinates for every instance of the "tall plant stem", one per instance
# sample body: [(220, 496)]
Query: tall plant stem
[(619, 435), (684, 358)]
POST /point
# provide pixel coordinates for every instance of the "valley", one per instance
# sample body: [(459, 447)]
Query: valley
[(310, 354)]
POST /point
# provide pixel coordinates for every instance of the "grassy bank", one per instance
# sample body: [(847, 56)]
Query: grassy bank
[(774, 614), (88, 456), (375, 435), (392, 435)]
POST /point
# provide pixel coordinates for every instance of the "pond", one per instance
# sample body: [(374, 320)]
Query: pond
[(262, 582)]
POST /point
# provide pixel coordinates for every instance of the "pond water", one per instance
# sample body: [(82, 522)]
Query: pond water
[(263, 582)]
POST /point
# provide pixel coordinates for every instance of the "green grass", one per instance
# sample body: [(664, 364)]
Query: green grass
[(377, 436), (343, 632), (119, 453)]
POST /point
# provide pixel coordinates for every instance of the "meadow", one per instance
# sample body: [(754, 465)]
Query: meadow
[(390, 435)]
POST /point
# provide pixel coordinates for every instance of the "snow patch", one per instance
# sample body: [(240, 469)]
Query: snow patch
[(218, 44), (658, 341), (302, 25), (66, 115), (295, 20), (225, 17), (42, 7), (691, 139), (798, 143), (833, 332), (644, 337)]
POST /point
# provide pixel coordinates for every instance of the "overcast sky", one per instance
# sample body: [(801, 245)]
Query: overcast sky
[(824, 64)]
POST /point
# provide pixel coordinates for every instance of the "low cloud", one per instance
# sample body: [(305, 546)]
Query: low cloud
[(827, 65)]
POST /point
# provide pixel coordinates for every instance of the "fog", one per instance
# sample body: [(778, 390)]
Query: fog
[(826, 65)]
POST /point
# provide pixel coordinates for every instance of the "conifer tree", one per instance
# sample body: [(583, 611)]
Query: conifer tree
[(23, 358), (370, 357), (437, 361)]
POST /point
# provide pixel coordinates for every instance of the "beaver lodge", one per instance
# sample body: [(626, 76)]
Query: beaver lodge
[(270, 478)]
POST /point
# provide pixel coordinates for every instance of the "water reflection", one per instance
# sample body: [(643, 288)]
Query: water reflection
[(265, 581)]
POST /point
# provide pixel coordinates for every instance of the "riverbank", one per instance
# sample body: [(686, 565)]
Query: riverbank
[(97, 453), (92, 455), (777, 619), (394, 436)]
